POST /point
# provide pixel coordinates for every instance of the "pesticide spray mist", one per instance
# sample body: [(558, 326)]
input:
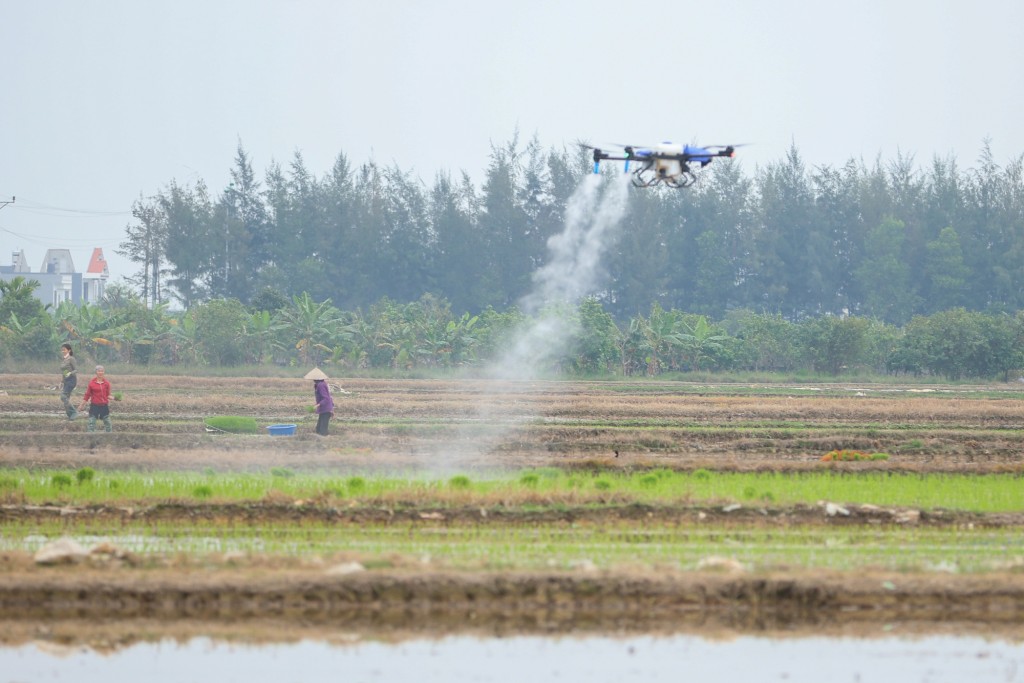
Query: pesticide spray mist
[(592, 217)]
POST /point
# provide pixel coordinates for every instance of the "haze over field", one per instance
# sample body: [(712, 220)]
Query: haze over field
[(106, 101)]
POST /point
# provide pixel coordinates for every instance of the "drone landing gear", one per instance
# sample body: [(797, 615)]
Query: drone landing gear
[(684, 179), (680, 180)]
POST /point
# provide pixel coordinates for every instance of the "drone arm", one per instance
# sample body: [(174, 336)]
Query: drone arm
[(600, 155)]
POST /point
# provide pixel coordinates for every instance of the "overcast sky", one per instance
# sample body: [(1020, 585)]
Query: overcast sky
[(104, 100)]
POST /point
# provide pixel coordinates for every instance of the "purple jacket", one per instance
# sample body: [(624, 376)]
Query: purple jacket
[(322, 394)]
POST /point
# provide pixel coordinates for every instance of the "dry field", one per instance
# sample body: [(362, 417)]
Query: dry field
[(474, 424)]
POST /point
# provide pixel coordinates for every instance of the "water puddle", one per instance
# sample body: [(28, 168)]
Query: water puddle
[(931, 659)]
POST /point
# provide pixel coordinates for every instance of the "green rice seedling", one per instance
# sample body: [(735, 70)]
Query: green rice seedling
[(85, 475), (969, 492), (879, 456), (701, 474), (233, 424), (529, 480), (8, 483), (202, 491), (459, 481), (281, 472)]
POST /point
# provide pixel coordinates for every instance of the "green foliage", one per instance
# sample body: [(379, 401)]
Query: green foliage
[(60, 480), (17, 299), (233, 423), (282, 472), (218, 331), (960, 343), (85, 475), (836, 345)]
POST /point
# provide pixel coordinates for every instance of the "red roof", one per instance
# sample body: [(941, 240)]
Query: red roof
[(97, 264)]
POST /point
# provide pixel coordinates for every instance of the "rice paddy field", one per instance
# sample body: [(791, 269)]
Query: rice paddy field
[(538, 505)]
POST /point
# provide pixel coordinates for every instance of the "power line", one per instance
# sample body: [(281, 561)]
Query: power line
[(34, 207)]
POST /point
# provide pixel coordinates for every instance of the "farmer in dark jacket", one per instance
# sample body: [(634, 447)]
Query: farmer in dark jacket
[(324, 402)]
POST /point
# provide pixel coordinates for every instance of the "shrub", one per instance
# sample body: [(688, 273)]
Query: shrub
[(233, 424)]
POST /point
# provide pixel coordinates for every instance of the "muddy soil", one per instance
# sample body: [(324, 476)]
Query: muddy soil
[(86, 605), (261, 513)]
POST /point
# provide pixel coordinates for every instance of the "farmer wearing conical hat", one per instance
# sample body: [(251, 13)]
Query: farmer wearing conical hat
[(324, 402)]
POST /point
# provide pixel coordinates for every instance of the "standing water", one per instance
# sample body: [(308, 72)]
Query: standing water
[(650, 659)]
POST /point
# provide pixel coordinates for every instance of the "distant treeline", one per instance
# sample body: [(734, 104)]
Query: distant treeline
[(885, 240)]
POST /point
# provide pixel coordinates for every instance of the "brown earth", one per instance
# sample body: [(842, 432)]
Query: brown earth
[(284, 601), (471, 425)]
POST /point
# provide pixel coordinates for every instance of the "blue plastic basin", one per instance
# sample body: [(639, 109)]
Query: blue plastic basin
[(281, 430)]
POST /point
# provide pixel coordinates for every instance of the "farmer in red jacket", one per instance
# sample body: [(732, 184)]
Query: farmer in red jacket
[(97, 395)]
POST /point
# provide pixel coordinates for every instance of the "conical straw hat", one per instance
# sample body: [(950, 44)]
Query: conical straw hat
[(315, 373)]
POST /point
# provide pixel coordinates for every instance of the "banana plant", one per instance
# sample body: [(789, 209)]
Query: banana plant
[(311, 325), (699, 339)]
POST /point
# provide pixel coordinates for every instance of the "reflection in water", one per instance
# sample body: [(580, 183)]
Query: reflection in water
[(532, 659)]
